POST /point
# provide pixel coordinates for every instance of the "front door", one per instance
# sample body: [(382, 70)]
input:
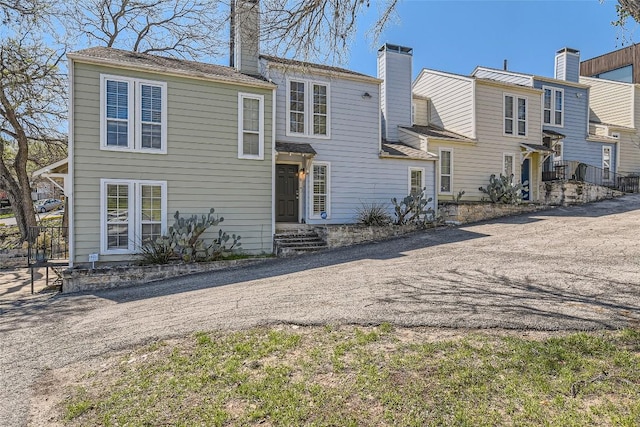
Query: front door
[(286, 193), (526, 166)]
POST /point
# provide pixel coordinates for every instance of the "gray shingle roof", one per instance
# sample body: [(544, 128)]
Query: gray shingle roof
[(398, 149), (302, 64), (436, 132), (118, 57), (291, 147)]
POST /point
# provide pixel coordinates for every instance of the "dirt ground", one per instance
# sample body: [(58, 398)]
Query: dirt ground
[(565, 269)]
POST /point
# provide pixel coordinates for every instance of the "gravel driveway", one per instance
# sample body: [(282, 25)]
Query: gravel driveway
[(572, 268)]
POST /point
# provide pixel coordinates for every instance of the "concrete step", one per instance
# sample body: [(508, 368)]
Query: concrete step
[(296, 242)]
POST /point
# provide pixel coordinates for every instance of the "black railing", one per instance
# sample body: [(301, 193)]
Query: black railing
[(578, 171), (47, 244)]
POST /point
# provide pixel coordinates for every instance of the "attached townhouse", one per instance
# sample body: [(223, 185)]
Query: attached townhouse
[(614, 117), (150, 136), (478, 127), (565, 120)]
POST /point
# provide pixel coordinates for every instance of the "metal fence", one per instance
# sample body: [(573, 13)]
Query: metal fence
[(578, 171), (47, 244)]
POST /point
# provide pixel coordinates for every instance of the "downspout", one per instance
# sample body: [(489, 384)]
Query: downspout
[(71, 172)]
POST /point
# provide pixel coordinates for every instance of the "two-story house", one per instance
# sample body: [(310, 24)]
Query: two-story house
[(614, 117), (565, 120), (478, 127), (149, 136)]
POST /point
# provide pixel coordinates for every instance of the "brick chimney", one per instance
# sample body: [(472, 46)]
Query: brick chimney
[(245, 36), (395, 68)]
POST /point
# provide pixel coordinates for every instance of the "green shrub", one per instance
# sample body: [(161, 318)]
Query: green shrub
[(413, 210), (504, 190), (373, 214)]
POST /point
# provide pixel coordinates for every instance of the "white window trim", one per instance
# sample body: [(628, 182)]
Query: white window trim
[(134, 97), (553, 111), (450, 175), (260, 98), (422, 178), (513, 164), (134, 212), (308, 108), (310, 190), (515, 116)]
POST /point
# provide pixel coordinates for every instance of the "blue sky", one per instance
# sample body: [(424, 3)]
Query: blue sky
[(456, 36)]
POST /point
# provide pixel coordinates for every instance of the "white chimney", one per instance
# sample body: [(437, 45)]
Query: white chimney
[(395, 69), (567, 65), (245, 36)]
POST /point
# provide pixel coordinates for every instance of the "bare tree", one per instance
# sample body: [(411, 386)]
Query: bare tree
[(182, 28), (32, 110), (319, 29)]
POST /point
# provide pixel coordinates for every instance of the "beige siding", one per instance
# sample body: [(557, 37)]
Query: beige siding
[(421, 111), (451, 100), (629, 146), (201, 167), (474, 164), (610, 102)]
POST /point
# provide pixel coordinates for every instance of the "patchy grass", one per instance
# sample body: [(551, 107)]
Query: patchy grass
[(6, 215), (352, 376)]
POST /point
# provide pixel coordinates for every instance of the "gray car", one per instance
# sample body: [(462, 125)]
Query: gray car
[(46, 205)]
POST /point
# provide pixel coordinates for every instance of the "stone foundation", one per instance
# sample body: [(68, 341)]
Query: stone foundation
[(466, 212), (566, 193), (88, 280), (350, 234)]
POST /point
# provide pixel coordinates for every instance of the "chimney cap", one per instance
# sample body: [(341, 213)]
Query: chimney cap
[(396, 48), (569, 50)]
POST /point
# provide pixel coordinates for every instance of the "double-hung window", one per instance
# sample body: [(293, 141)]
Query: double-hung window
[(515, 115), (416, 181), (320, 190), (133, 114), (308, 109), (446, 170), (132, 213), (250, 126), (553, 106), (508, 166)]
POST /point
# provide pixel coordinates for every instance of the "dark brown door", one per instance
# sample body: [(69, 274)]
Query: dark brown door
[(287, 193)]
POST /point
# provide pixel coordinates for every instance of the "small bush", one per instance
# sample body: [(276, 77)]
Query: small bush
[(373, 214)]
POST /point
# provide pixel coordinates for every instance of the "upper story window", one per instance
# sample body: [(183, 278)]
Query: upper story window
[(308, 109), (553, 106), (133, 114), (250, 126), (515, 115)]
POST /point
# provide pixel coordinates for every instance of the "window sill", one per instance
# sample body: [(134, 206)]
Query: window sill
[(307, 136), (133, 150), (251, 157)]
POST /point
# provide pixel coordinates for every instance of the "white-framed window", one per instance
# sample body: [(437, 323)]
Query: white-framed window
[(413, 113), (131, 213), (133, 114), (615, 135), (558, 151), (250, 126), (416, 180), (308, 108), (320, 194), (606, 163), (446, 170), (508, 165), (515, 115), (553, 106)]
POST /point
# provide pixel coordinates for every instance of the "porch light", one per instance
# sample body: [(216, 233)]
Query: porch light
[(301, 173), (366, 95)]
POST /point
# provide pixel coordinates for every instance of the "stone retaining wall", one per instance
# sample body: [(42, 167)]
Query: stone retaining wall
[(83, 279), (566, 193), (351, 234), (13, 258), (464, 213)]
